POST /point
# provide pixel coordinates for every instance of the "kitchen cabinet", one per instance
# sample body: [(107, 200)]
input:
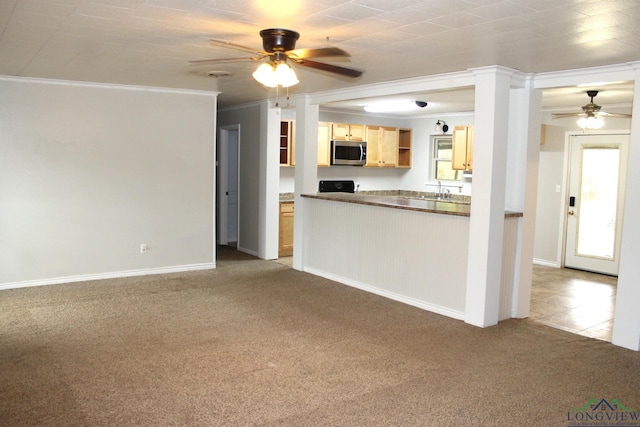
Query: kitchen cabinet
[(287, 144), (462, 148), (324, 144), (285, 239), (404, 148), (382, 146), (347, 132)]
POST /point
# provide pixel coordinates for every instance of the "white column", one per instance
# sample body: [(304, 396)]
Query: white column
[(522, 187), (486, 223), (269, 181), (306, 170), (626, 325)]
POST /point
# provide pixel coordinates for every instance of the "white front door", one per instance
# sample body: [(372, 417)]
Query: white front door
[(597, 175)]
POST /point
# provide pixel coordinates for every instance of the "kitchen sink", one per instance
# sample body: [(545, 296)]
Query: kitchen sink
[(435, 199)]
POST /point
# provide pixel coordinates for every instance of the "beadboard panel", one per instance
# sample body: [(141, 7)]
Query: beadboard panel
[(509, 257), (415, 257)]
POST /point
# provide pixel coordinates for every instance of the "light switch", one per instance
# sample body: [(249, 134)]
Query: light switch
[(557, 188)]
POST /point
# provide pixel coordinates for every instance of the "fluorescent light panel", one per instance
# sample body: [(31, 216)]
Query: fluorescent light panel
[(392, 106)]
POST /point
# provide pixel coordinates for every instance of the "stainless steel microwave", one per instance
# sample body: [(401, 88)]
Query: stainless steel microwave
[(352, 153)]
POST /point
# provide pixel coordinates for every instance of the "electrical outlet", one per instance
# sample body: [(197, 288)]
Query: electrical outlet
[(143, 248)]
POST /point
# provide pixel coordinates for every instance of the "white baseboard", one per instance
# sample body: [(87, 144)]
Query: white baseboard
[(391, 295), (248, 251), (110, 275), (546, 263)]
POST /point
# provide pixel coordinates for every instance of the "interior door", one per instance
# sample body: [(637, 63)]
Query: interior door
[(227, 207), (597, 175), (232, 186)]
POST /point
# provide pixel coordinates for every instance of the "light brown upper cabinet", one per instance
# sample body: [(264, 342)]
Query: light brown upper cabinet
[(324, 144), (382, 146), (462, 148), (404, 148), (347, 132)]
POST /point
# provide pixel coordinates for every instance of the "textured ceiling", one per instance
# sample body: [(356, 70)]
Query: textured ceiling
[(149, 42)]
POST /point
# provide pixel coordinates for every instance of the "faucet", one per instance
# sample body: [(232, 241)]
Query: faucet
[(439, 190)]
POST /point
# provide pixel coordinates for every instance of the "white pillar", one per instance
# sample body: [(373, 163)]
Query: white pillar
[(269, 181), (522, 187), (626, 324), (306, 171), (486, 224)]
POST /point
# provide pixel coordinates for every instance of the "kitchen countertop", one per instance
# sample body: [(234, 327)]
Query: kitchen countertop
[(407, 203)]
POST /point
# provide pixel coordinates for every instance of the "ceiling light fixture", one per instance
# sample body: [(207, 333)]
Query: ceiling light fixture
[(592, 121), (276, 73)]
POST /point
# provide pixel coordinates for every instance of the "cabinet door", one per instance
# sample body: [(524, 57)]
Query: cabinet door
[(285, 247), (462, 148), (339, 131), (345, 132), (356, 132), (324, 144), (373, 142), (389, 147), (470, 133), (292, 143)]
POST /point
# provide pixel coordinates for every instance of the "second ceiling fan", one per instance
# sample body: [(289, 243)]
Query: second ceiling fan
[(591, 109), (279, 46)]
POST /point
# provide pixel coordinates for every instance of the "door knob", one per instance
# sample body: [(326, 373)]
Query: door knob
[(571, 212)]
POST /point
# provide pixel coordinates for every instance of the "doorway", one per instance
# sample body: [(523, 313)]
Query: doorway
[(228, 205), (596, 188)]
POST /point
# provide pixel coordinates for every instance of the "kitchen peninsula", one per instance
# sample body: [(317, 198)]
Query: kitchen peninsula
[(408, 249)]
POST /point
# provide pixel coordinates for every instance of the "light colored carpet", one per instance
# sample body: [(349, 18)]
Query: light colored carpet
[(257, 343)]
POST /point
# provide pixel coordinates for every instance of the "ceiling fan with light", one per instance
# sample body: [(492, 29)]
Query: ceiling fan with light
[(279, 48), (591, 117)]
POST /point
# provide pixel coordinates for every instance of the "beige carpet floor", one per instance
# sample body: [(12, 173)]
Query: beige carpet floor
[(257, 343)]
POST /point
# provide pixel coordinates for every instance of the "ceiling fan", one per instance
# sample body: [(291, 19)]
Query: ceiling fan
[(590, 110), (278, 48)]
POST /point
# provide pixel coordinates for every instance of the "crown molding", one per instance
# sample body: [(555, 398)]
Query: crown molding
[(584, 76), (38, 80)]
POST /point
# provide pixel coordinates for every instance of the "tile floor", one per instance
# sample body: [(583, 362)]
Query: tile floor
[(573, 300)]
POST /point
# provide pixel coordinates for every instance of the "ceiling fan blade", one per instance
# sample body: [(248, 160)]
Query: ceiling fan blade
[(322, 52), (224, 60), (561, 115), (604, 113), (230, 45), (349, 72)]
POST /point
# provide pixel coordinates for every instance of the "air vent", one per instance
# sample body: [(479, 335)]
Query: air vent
[(217, 73)]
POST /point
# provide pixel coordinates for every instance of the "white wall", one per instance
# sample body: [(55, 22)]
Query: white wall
[(550, 179), (89, 172)]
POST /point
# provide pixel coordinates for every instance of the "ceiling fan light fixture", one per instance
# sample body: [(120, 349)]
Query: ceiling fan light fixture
[(591, 122), (285, 76), (272, 75), (266, 75)]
